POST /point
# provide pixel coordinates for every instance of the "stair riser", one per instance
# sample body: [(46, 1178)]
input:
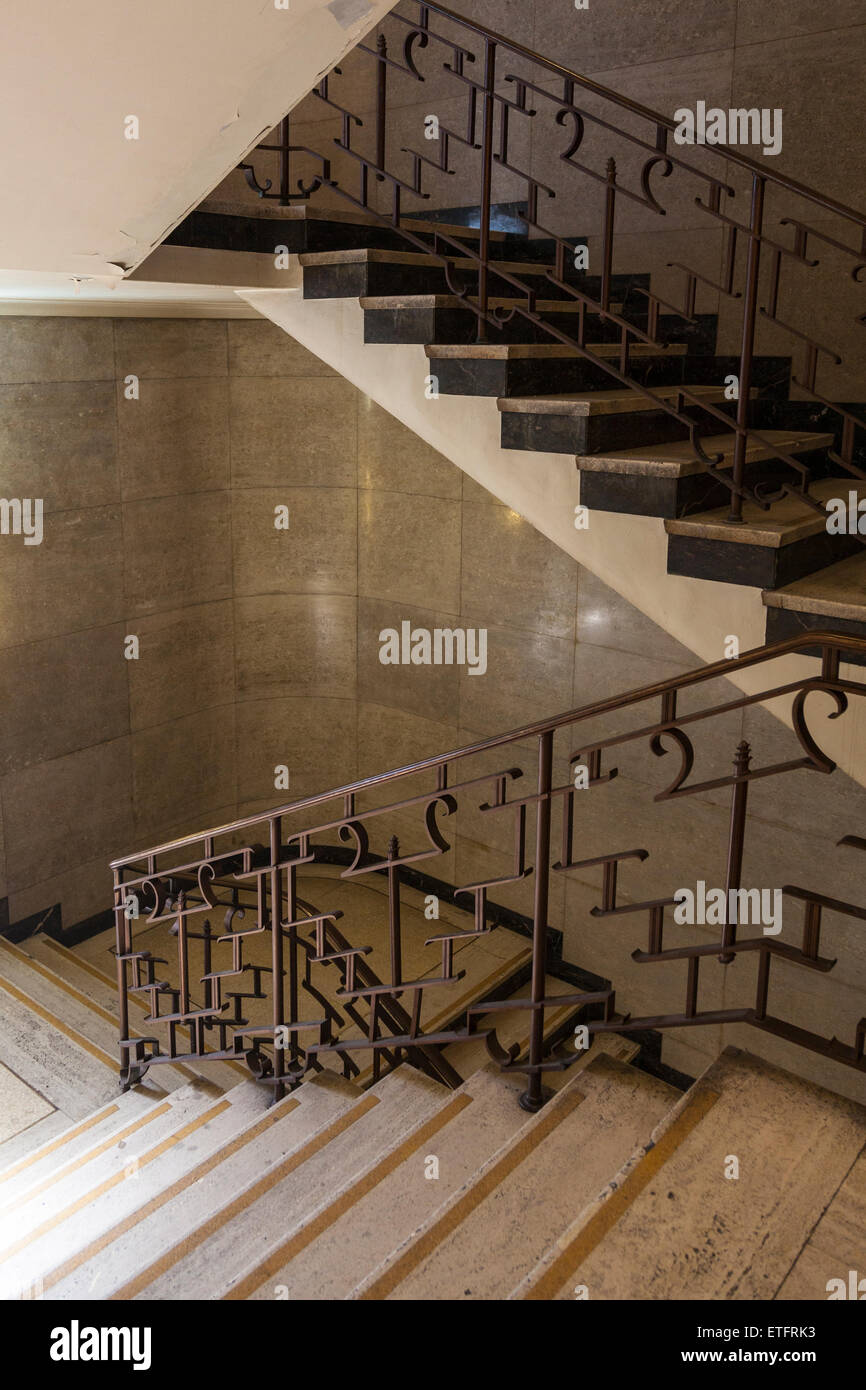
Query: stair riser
[(525, 377), (461, 326), (593, 434), (760, 567), (787, 622), (380, 278), (646, 495), (227, 232)]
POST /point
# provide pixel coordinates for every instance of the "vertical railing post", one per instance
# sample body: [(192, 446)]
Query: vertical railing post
[(487, 120), (607, 238), (381, 102), (122, 936), (736, 843), (284, 162), (277, 980), (534, 1096), (747, 348), (394, 928)]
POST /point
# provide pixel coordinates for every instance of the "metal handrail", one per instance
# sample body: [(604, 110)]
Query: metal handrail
[(828, 641), (484, 100)]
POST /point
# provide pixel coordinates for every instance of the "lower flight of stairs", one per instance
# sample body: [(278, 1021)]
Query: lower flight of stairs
[(748, 1185)]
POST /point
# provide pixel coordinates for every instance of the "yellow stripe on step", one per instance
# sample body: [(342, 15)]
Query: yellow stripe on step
[(320, 1223), (100, 1149), (429, 1240), (58, 1143), (551, 1280), (195, 1175), (220, 1218), (78, 1038), (130, 1171)]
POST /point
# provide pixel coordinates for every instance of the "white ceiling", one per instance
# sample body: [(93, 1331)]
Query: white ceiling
[(207, 80)]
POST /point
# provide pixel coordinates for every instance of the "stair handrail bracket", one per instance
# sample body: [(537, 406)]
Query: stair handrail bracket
[(631, 158), (217, 940)]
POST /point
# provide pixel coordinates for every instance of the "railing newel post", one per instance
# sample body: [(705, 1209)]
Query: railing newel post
[(534, 1096), (747, 347), (487, 121)]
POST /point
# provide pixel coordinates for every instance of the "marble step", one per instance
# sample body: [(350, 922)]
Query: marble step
[(228, 1249), (21, 1145), (494, 1228), (672, 1225), (588, 422), (97, 985), (363, 1226), (667, 480), (445, 318), (52, 1056), (66, 1003), (767, 549), (834, 1248), (833, 598), (261, 227), (130, 1253), (363, 271), (526, 369), (76, 1143), (53, 1220)]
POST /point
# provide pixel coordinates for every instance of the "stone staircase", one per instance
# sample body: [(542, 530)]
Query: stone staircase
[(632, 458), (193, 1185)]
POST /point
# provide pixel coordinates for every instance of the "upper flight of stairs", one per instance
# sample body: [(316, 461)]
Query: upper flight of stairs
[(620, 1187), (633, 458)]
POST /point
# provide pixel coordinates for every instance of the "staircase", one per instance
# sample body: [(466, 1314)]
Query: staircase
[(203, 1189), (328, 1093), (632, 457), (560, 388)]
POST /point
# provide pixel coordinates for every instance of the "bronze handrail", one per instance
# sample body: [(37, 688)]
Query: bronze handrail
[(828, 642), (225, 855), (484, 101)]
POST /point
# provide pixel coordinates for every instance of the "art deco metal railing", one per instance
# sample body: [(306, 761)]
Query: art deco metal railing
[(506, 85), (249, 874)]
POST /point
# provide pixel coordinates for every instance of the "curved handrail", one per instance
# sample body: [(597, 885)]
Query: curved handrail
[(832, 644)]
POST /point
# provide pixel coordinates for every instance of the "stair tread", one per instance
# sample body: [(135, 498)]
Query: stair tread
[(839, 591), (51, 1221), (492, 1230), (787, 521), (670, 1225), (366, 255), (454, 301), (677, 460), (304, 212), (617, 402), (130, 1253), (506, 351), (72, 1144), (42, 981), (835, 1245), (101, 988), (237, 1241), (477, 1121)]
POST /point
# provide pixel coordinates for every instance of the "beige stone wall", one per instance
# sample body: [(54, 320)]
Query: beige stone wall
[(260, 647)]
